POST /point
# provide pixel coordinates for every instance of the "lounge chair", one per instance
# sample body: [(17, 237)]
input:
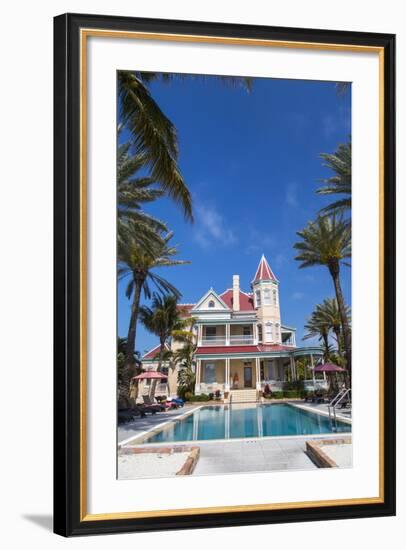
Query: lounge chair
[(151, 405)]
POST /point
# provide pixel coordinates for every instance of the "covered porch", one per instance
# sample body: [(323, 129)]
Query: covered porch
[(254, 372), (238, 373)]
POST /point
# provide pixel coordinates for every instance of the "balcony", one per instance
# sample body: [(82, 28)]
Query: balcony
[(234, 340), (241, 340), (214, 341)]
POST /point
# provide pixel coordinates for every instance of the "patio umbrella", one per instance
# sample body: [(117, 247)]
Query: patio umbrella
[(328, 367), (152, 374)]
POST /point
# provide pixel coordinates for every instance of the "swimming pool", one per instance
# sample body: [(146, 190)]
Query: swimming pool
[(245, 421)]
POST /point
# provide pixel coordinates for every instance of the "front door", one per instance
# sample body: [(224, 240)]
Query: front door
[(247, 377)]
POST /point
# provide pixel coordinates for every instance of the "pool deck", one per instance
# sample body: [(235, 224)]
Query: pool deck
[(238, 455), (134, 429)]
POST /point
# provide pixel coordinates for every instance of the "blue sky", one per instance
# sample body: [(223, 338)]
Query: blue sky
[(251, 161)]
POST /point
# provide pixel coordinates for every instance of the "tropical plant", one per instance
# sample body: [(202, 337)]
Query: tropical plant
[(162, 319), (318, 327), (132, 191), (329, 313), (153, 136), (327, 241), (340, 183), (135, 367), (139, 266), (186, 380)]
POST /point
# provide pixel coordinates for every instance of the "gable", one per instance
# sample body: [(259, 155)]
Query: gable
[(211, 301)]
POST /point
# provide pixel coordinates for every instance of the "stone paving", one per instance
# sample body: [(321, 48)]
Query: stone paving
[(253, 456)]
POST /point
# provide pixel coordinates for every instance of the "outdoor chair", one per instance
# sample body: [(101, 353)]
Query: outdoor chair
[(157, 407)]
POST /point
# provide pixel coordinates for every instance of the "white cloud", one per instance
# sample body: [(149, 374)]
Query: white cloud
[(298, 296), (211, 227)]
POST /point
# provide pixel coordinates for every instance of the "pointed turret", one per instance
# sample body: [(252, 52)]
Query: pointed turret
[(264, 272)]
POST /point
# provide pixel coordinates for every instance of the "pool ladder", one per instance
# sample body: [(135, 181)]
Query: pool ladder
[(345, 392)]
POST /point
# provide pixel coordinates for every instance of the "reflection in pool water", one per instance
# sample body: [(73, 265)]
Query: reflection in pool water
[(247, 420)]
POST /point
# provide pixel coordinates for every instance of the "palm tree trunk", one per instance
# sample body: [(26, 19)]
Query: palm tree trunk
[(337, 332), (160, 361), (128, 370), (335, 273)]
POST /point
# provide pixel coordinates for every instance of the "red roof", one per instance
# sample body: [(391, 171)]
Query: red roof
[(264, 272), (203, 350), (246, 301), (185, 309), (152, 353)]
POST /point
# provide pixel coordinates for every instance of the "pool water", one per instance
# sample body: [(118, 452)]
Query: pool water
[(244, 421)]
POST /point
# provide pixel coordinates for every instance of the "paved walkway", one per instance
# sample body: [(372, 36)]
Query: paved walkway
[(341, 414), (253, 456)]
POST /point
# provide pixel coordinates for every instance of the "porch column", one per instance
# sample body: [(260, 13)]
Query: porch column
[(258, 373), (293, 367), (227, 334), (227, 376), (255, 333), (199, 334), (312, 364), (198, 373)]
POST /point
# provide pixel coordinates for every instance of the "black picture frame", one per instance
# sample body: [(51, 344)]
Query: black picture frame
[(67, 381)]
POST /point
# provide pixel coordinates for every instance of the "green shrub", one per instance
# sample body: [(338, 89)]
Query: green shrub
[(188, 396), (294, 385), (291, 394), (277, 395), (201, 397)]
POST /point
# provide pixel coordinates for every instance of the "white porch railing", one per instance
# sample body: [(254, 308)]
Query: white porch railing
[(235, 340), (309, 385), (241, 339), (213, 341), (211, 388)]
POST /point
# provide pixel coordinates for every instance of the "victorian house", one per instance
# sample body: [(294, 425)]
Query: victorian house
[(242, 343)]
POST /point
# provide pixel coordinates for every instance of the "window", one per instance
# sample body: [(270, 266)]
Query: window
[(209, 373), (211, 331), (211, 303), (277, 331), (258, 298), (274, 298), (259, 328), (268, 332), (246, 330), (267, 297)]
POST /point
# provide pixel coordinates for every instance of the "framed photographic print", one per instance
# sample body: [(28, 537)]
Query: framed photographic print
[(224, 274)]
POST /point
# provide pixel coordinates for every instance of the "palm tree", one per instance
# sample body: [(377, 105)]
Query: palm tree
[(163, 320), (132, 191), (139, 266), (153, 136), (329, 312), (327, 241), (317, 327), (340, 183)]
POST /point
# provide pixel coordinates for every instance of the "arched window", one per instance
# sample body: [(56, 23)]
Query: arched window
[(259, 328), (212, 303)]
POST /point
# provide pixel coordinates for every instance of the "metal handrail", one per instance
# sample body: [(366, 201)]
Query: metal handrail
[(337, 400)]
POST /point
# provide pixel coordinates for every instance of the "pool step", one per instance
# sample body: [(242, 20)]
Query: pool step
[(243, 396)]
